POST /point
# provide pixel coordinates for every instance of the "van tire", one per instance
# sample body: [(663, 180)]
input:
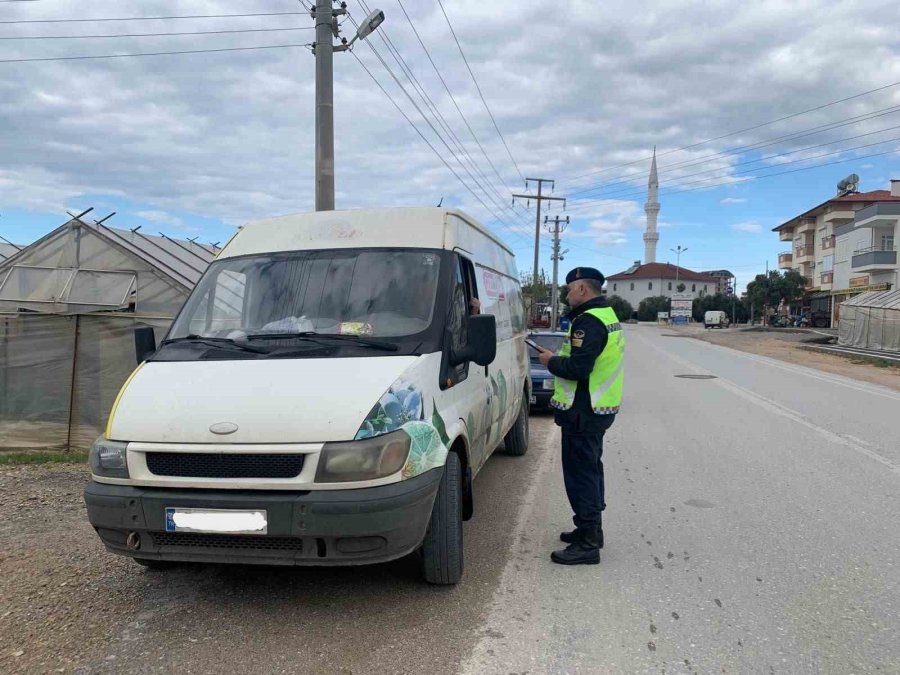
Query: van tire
[(442, 550), (516, 441)]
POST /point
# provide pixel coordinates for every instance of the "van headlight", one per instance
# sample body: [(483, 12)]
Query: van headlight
[(108, 458), (365, 459)]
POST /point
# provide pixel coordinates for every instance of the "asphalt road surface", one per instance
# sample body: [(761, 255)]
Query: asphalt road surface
[(752, 527)]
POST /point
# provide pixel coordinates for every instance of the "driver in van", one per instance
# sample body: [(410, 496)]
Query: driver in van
[(588, 392)]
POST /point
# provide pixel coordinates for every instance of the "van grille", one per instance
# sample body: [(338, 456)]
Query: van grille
[(227, 541), (217, 465)]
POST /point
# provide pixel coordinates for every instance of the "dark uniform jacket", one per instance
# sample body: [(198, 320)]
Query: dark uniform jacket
[(581, 418)]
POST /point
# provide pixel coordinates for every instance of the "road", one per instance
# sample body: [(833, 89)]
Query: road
[(752, 527)]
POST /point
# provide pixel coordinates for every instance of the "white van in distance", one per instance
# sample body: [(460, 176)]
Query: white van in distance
[(716, 319), (326, 396)]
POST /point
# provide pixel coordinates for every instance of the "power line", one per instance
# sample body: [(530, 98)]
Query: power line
[(421, 135), (442, 122), (133, 35), (771, 157), (591, 203), (440, 137), (742, 149), (475, 80), (122, 56), (452, 97), (740, 131), (156, 18)]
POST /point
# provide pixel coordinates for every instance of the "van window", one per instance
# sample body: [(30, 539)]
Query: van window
[(458, 316), (379, 293)]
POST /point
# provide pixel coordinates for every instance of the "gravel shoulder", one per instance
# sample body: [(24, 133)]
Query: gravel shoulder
[(789, 347)]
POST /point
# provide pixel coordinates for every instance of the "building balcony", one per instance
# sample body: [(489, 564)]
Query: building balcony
[(787, 234), (806, 225), (827, 242), (804, 254), (883, 214), (839, 215), (785, 260), (826, 278), (873, 259)]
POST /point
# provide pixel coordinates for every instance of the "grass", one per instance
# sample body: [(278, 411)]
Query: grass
[(11, 458)]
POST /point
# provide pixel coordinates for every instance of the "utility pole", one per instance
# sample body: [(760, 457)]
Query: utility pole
[(557, 256), (734, 299), (326, 19), (539, 197)]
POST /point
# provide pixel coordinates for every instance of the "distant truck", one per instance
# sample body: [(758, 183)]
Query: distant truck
[(716, 319)]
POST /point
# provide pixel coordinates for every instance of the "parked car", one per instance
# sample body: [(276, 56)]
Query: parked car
[(716, 319), (541, 380)]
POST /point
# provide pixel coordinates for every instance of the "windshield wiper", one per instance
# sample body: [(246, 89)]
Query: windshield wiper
[(312, 335), (216, 342)]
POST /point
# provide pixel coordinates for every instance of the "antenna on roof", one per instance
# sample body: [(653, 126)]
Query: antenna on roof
[(194, 239), (216, 245), (103, 220), (135, 229), (441, 201)]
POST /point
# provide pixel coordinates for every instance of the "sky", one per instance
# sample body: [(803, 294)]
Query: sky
[(580, 92)]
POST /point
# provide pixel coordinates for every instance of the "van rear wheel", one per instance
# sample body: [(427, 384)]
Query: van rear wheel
[(442, 550), (516, 441)]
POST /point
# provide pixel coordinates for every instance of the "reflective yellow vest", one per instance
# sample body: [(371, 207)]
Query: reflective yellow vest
[(605, 382)]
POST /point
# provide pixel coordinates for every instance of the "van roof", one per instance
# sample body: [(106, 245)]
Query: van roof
[(415, 227)]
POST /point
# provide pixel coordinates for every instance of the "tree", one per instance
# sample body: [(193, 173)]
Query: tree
[(621, 307), (719, 301), (650, 307), (771, 290)]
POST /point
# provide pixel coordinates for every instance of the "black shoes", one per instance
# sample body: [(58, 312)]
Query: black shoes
[(577, 553), (570, 537)]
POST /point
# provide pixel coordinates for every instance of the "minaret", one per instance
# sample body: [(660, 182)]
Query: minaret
[(651, 208)]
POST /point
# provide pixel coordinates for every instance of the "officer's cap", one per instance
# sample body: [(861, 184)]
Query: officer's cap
[(585, 273)]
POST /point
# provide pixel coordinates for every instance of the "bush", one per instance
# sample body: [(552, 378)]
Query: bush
[(650, 307), (621, 307)]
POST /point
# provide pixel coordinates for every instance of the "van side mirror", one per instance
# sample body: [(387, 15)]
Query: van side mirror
[(144, 343), (482, 344)]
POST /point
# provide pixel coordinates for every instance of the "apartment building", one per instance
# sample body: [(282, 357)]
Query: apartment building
[(844, 246)]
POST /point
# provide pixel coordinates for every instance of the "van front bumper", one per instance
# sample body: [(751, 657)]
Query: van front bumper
[(313, 527)]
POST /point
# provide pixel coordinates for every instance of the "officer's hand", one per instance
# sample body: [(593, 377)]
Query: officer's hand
[(544, 355)]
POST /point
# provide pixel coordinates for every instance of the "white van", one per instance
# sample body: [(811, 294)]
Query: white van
[(325, 397), (716, 319)]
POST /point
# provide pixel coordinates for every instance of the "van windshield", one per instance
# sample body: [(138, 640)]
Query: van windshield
[(382, 293)]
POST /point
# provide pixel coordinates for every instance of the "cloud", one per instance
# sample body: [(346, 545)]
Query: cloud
[(733, 200), (750, 226), (165, 218), (230, 135)]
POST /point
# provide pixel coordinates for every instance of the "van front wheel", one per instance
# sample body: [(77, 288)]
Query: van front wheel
[(442, 550), (516, 441)]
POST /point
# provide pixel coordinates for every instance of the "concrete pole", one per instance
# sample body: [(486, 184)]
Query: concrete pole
[(537, 242), (324, 107)]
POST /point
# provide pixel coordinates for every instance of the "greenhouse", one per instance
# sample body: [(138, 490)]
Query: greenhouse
[(69, 304), (871, 321)]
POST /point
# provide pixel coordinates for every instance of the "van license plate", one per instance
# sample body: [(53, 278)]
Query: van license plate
[(211, 521), (532, 400)]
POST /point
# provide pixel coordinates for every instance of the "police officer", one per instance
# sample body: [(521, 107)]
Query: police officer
[(586, 399)]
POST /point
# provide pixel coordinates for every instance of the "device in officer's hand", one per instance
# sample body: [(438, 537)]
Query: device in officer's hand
[(534, 345)]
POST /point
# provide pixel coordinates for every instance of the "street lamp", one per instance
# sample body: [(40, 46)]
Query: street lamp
[(678, 253)]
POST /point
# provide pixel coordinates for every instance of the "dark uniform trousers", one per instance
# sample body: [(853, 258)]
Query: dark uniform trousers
[(582, 460)]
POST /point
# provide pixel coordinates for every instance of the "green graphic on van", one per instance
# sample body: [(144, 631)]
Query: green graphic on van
[(438, 423), (427, 450), (401, 404)]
